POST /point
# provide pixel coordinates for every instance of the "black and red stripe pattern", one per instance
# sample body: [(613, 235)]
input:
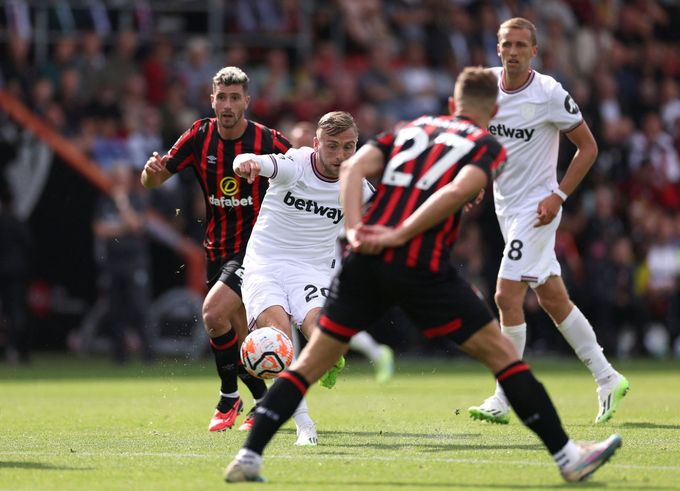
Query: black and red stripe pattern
[(232, 203), (336, 330), (512, 369), (393, 203)]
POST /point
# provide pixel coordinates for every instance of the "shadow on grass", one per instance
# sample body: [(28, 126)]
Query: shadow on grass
[(385, 440), (40, 466), (453, 485), (489, 485), (647, 425)]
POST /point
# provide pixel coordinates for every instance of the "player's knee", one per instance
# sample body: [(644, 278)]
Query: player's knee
[(215, 322), (506, 302)]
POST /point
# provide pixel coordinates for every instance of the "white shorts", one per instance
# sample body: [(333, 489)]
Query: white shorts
[(296, 289), (529, 253)]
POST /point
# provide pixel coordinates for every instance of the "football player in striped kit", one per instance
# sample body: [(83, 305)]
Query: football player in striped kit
[(208, 149)]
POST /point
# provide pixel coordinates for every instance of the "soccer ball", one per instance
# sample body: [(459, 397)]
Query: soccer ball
[(266, 352)]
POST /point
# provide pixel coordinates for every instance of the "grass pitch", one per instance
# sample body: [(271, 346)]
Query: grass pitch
[(69, 424)]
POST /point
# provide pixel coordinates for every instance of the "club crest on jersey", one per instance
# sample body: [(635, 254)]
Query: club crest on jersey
[(527, 111), (570, 105), (312, 206)]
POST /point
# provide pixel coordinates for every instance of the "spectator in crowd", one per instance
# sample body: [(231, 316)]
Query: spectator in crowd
[(194, 70), (624, 64), (15, 267), (122, 254)]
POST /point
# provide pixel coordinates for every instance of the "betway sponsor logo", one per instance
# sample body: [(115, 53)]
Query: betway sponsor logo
[(225, 202), (519, 133), (311, 206)]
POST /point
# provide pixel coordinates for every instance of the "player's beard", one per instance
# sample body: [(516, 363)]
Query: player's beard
[(328, 170), (228, 124)]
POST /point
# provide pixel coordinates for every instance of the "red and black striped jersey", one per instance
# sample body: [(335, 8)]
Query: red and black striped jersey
[(422, 157), (232, 204)]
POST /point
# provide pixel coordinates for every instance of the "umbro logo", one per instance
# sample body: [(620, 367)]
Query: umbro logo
[(212, 160)]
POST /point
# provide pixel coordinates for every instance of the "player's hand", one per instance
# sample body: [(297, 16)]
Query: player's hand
[(356, 241), (478, 199), (156, 163), (248, 169), (372, 239), (547, 210)]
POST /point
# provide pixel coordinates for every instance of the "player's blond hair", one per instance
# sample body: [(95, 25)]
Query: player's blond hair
[(476, 87), (518, 23), (231, 75), (336, 122)]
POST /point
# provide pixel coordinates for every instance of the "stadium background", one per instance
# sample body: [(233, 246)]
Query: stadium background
[(115, 80)]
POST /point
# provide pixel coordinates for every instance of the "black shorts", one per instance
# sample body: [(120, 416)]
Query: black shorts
[(229, 273), (439, 304)]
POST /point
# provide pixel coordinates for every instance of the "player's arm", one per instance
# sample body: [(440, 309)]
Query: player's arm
[(155, 172), (586, 153), (274, 166), (440, 205), (584, 158), (367, 162)]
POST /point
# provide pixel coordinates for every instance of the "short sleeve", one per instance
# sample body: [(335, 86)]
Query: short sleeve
[(564, 112)]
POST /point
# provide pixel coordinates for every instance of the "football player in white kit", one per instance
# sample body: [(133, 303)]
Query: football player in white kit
[(534, 110), (291, 254)]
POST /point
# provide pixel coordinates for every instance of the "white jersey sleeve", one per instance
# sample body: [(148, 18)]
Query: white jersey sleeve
[(300, 218), (528, 124), (279, 167)]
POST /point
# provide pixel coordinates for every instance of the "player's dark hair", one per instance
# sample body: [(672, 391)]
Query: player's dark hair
[(231, 75), (519, 23), (336, 122)]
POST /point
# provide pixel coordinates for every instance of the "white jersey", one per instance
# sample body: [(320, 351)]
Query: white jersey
[(528, 124), (300, 217)]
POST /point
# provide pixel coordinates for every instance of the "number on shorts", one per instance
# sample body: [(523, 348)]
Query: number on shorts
[(515, 252), (313, 292)]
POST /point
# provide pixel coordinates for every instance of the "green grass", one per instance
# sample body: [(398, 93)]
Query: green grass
[(69, 424)]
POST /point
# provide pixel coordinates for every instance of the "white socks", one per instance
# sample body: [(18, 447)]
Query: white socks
[(580, 335), (518, 336), (569, 454), (366, 345), (301, 415)]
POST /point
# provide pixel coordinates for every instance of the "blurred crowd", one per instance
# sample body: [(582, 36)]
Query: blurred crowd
[(122, 94)]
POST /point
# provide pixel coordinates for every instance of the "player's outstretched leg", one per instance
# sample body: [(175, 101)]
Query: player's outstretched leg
[(329, 378)]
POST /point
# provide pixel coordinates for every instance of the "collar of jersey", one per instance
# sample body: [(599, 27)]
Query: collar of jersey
[(526, 84), (316, 171)]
